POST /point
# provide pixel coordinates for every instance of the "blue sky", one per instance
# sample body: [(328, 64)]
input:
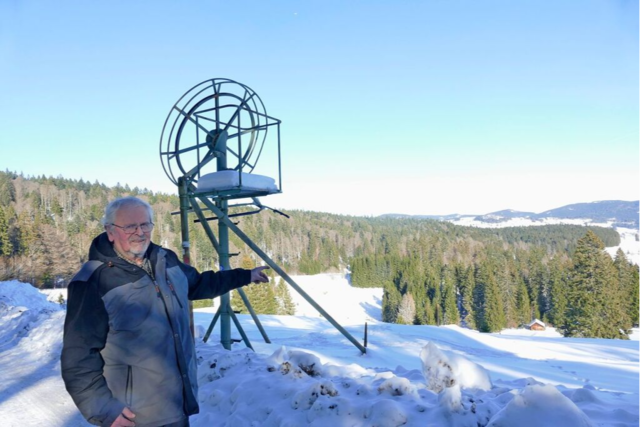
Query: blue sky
[(419, 107)]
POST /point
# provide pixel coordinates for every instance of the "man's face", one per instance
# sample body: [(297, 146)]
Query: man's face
[(133, 245)]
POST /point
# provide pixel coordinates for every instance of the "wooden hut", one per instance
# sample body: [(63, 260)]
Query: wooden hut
[(537, 325)]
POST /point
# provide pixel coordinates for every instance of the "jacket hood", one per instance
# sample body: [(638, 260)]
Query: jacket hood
[(102, 250)]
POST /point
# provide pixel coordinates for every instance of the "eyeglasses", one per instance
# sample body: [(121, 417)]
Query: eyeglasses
[(132, 228)]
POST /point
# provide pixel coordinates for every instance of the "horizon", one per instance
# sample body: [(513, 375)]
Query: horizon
[(450, 109), (25, 176)]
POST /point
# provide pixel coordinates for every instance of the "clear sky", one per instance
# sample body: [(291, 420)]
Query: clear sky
[(417, 107)]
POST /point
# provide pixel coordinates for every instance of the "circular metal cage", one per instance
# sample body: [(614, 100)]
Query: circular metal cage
[(218, 117)]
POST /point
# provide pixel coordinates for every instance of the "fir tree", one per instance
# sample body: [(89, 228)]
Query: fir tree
[(7, 189), (237, 304), (390, 304), (285, 303), (595, 307), (633, 299), (558, 301), (6, 248), (467, 285), (491, 312), (450, 313), (627, 275), (523, 307)]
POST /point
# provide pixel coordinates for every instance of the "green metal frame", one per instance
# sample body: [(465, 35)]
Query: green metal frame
[(223, 218), (215, 147)]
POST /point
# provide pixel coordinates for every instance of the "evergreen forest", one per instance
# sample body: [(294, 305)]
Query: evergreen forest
[(432, 272)]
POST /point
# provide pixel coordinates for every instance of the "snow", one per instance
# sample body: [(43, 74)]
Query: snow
[(540, 405), (629, 244), (53, 295), (443, 369), (312, 375), (225, 180), (346, 304), (470, 221)]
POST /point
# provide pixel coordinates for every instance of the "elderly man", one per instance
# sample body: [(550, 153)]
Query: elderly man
[(128, 356)]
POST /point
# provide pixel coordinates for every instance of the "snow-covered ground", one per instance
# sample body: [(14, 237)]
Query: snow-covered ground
[(311, 375), (471, 221), (629, 243)]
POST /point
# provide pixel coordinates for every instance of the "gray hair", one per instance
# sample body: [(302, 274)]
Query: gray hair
[(123, 202)]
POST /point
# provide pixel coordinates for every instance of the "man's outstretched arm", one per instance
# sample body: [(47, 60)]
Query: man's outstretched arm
[(211, 284)]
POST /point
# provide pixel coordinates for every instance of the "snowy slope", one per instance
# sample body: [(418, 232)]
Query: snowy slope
[(629, 243), (311, 375)]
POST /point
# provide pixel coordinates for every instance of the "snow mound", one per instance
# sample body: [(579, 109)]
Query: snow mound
[(18, 294), (443, 369), (22, 307), (540, 405), (294, 387)]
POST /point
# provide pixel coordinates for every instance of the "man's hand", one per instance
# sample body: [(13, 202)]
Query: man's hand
[(259, 276), (125, 419)]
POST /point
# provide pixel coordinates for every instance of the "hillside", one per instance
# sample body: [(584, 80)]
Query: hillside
[(612, 213), (47, 225)]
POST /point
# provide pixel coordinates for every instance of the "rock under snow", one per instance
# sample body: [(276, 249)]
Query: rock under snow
[(443, 369)]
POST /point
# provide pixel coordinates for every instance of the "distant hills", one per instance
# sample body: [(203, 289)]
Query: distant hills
[(618, 213)]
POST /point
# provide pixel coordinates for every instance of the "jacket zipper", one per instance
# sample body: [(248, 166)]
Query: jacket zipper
[(128, 394), (173, 291)]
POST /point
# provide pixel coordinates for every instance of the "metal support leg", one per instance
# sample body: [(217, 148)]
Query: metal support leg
[(253, 315), (209, 233), (213, 323), (222, 217), (242, 334)]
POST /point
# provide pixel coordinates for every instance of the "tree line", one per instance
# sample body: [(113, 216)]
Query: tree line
[(492, 284), (432, 272)]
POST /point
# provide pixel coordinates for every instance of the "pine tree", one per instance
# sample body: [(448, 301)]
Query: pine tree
[(390, 303), (263, 298), (523, 307), (436, 303), (467, 285), (595, 303), (494, 319), (237, 304), (286, 305), (450, 313), (627, 274), (6, 248), (633, 299), (558, 300), (7, 189), (491, 312)]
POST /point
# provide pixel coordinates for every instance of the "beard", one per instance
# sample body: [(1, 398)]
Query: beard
[(138, 247)]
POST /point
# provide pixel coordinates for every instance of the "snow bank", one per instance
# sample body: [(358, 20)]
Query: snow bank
[(21, 308), (540, 405), (443, 369), (18, 294), (293, 387), (31, 389)]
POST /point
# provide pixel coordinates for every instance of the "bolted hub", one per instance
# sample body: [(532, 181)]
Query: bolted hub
[(217, 140)]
